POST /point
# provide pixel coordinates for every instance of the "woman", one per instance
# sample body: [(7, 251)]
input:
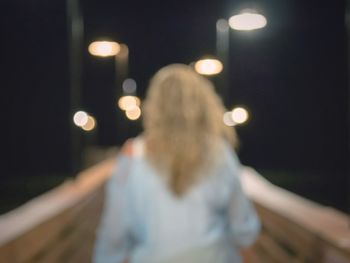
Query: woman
[(175, 195)]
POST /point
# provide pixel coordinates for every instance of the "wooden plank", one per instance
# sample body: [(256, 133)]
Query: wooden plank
[(253, 256), (273, 248), (83, 234), (262, 254), (84, 254), (334, 256), (74, 233), (50, 204), (65, 248), (293, 238), (7, 253), (39, 238), (47, 215)]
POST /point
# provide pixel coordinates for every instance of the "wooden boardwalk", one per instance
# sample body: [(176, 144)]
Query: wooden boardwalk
[(59, 226)]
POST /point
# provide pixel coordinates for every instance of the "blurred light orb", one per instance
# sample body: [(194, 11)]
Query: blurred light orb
[(90, 124), (80, 118), (208, 66), (104, 48), (239, 115), (227, 118), (247, 21), (128, 102), (133, 114), (129, 86)]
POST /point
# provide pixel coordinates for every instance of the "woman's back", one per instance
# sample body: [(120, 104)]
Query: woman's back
[(151, 224)]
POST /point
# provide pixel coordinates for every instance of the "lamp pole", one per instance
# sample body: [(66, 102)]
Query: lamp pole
[(121, 65), (120, 55), (247, 20), (222, 52), (347, 21), (75, 42)]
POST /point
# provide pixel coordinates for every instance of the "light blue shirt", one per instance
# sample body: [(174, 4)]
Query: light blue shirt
[(144, 222)]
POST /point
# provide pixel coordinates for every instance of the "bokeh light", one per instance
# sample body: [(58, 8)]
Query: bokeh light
[(90, 124), (129, 86), (227, 118), (208, 66), (133, 114), (80, 118), (128, 102), (247, 21), (104, 48), (240, 115)]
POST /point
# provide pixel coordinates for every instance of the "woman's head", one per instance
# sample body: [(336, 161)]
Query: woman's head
[(182, 119)]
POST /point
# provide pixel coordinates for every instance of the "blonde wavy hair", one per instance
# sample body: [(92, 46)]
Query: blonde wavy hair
[(183, 122)]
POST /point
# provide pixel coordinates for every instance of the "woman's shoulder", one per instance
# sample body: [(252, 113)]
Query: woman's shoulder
[(133, 147), (127, 159)]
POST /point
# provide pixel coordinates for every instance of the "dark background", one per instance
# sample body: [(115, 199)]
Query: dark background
[(291, 75)]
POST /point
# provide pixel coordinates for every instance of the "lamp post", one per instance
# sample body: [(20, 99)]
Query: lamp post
[(122, 65), (130, 104), (124, 88), (120, 52), (208, 66), (247, 20), (222, 52), (75, 42)]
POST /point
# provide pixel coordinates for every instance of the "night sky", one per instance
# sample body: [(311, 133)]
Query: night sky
[(291, 75)]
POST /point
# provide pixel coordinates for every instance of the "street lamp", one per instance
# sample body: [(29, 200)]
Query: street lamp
[(247, 20), (75, 32), (90, 125), (127, 102), (120, 52), (104, 48), (133, 114), (84, 120), (208, 66), (237, 116)]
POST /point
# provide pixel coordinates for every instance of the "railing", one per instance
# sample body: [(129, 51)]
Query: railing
[(294, 228), (59, 226)]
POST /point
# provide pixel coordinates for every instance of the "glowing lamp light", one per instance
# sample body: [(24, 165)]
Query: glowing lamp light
[(208, 66), (90, 124), (80, 118), (247, 21), (133, 114), (227, 118), (104, 48), (128, 102), (239, 115)]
